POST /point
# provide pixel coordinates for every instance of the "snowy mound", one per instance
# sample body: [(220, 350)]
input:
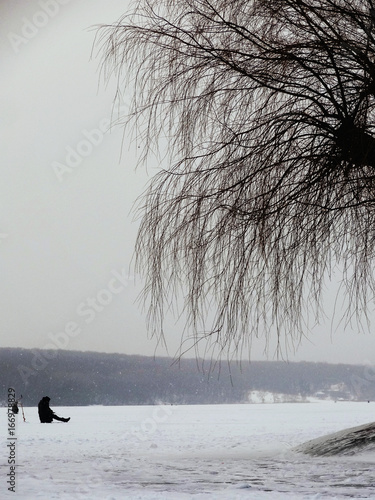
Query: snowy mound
[(346, 442)]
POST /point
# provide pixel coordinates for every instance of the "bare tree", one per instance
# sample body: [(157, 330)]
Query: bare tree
[(267, 111)]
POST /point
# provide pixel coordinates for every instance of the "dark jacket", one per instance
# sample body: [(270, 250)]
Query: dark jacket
[(45, 413)]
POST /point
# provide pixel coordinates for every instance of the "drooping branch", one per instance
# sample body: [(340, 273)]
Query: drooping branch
[(267, 110)]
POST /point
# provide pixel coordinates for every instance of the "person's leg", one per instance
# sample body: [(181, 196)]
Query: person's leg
[(61, 419)]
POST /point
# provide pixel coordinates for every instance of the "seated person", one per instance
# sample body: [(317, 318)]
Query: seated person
[(46, 415)]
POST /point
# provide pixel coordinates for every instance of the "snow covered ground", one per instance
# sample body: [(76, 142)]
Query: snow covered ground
[(182, 452)]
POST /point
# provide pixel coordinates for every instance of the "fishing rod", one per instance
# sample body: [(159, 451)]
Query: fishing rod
[(15, 408)]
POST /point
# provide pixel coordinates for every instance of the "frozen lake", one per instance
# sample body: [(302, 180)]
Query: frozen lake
[(182, 452)]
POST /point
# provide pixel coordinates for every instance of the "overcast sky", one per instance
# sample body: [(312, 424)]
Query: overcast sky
[(68, 187)]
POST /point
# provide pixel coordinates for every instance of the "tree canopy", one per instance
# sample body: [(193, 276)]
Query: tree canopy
[(266, 109)]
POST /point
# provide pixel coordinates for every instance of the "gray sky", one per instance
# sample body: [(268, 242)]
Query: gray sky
[(66, 232)]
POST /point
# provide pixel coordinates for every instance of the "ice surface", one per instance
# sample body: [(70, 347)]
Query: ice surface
[(183, 452)]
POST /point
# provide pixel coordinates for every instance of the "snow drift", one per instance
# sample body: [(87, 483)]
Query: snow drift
[(346, 442)]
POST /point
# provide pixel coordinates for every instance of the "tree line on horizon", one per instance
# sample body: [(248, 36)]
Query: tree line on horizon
[(73, 378)]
